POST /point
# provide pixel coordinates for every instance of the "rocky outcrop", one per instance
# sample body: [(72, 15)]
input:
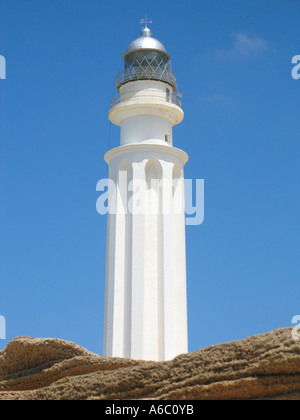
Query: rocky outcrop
[(265, 366)]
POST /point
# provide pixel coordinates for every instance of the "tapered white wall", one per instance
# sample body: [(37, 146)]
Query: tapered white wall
[(146, 308)]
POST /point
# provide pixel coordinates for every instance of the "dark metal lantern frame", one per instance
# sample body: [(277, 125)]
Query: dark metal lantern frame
[(146, 65)]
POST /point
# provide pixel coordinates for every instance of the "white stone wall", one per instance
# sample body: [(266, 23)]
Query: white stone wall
[(146, 128), (146, 308)]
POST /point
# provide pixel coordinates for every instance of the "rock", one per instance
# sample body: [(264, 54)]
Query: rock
[(265, 366)]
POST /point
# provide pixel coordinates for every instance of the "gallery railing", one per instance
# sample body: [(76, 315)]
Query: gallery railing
[(146, 73)]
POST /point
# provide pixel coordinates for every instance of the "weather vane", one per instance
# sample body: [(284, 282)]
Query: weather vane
[(146, 21)]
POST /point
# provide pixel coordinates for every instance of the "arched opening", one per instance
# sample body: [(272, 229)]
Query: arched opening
[(153, 174)]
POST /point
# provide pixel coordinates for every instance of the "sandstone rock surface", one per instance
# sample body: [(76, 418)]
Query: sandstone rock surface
[(265, 366)]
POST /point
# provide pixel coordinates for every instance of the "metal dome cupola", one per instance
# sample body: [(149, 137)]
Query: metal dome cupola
[(146, 58), (145, 43)]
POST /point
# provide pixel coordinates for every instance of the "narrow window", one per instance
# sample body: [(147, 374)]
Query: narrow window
[(168, 95), (167, 138)]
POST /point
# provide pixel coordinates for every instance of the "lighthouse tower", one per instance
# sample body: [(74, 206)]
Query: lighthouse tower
[(145, 299)]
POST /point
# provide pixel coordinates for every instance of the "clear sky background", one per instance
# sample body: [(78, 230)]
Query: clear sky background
[(241, 130)]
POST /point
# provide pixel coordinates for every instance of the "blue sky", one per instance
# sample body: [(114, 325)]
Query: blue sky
[(241, 130)]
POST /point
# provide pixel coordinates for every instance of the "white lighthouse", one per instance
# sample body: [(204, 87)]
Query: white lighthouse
[(145, 299)]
